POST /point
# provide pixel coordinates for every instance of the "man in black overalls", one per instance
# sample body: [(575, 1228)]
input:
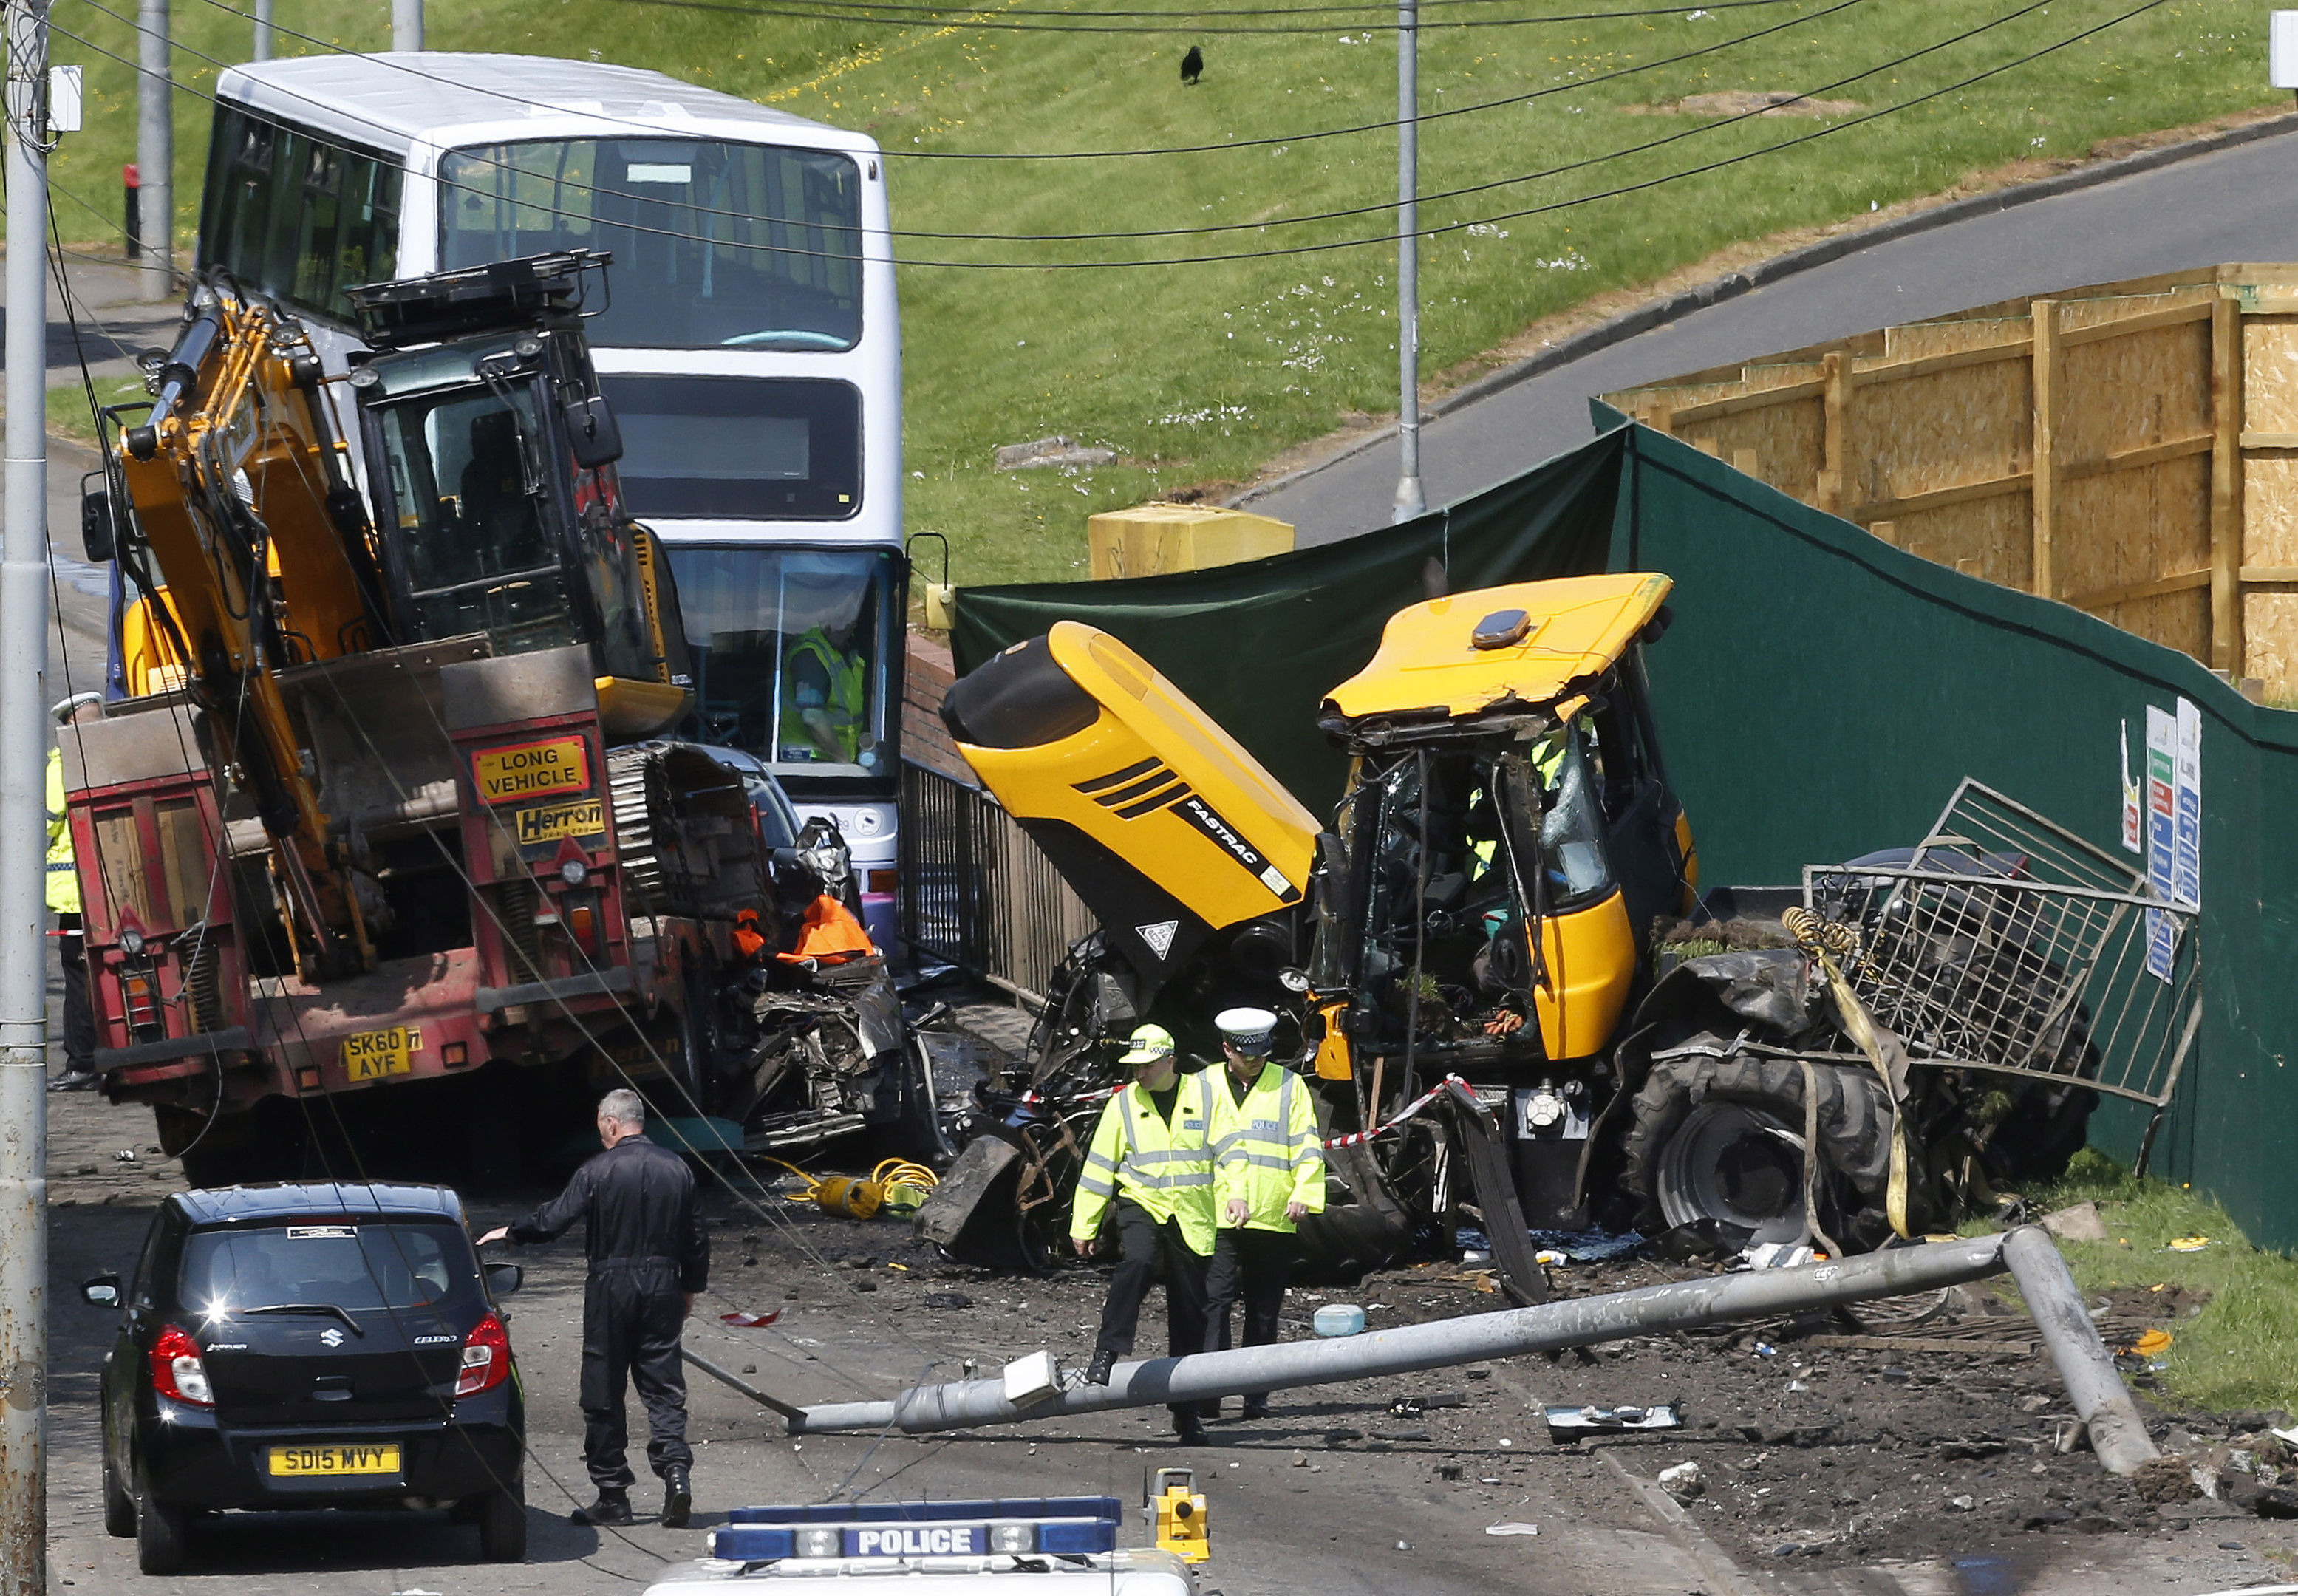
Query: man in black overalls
[(643, 1231)]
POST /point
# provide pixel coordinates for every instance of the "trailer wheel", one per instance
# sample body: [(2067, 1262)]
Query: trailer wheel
[(921, 1130), (1722, 1139), (1368, 1231), (691, 1070), (2048, 1126)]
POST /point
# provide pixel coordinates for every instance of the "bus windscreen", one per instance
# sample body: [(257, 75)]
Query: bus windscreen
[(794, 653), (737, 246)]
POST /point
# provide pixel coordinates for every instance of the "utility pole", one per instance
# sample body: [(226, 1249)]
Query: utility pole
[(23, 829), (407, 24), (155, 147), (263, 30), (1410, 501)]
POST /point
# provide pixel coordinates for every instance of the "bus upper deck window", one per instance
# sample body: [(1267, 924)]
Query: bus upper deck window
[(740, 246)]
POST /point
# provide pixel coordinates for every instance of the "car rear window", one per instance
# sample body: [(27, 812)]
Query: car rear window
[(347, 1265)]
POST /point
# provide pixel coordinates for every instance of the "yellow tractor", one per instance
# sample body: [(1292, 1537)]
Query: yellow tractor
[(1452, 955)]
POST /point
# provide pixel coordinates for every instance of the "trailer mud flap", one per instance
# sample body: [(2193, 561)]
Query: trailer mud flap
[(1495, 1187)]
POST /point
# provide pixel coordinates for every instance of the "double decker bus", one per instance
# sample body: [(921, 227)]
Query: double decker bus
[(748, 342)]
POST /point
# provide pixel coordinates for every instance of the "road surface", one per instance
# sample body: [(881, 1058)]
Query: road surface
[(2231, 205)]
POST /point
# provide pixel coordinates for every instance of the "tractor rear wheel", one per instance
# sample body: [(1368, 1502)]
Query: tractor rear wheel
[(1722, 1139)]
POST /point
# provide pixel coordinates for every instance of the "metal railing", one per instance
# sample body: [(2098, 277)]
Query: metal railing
[(978, 892), (2006, 943)]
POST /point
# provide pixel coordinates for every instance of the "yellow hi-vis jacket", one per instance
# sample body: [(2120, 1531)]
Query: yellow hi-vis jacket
[(63, 875), (1266, 1150), (847, 706), (1166, 1170)]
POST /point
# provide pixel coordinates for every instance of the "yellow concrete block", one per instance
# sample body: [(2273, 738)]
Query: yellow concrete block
[(1151, 539)]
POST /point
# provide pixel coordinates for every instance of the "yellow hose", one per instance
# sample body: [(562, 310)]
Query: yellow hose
[(896, 1186), (904, 1184)]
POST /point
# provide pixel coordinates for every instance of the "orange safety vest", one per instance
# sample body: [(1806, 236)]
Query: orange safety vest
[(830, 934), (749, 940)]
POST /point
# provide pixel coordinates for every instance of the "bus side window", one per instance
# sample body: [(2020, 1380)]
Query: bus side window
[(297, 215)]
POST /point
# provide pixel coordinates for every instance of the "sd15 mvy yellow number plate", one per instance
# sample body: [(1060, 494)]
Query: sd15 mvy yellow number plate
[(372, 1055), (335, 1459)]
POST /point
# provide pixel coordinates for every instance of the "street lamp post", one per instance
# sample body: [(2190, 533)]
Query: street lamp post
[(1410, 501), (23, 830)]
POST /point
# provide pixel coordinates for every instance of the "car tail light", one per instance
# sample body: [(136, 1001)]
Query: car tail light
[(486, 1358), (885, 880), (177, 1372)]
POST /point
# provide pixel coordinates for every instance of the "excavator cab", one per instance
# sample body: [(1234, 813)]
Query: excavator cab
[(492, 465)]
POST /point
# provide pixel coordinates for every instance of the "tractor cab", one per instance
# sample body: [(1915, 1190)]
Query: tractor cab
[(1505, 776)]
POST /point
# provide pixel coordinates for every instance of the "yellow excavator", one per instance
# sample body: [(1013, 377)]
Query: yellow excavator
[(1454, 952), (379, 803)]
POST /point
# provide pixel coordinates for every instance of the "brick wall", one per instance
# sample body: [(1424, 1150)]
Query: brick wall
[(927, 676)]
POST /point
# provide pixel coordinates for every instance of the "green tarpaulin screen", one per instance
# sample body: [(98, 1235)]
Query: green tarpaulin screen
[(1820, 695), (1259, 644)]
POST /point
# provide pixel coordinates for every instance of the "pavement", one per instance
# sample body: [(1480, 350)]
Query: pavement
[(113, 321), (2230, 205)]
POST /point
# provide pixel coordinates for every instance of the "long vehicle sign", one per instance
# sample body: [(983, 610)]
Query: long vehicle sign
[(525, 770)]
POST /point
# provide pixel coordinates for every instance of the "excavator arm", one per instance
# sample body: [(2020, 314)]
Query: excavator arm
[(238, 486)]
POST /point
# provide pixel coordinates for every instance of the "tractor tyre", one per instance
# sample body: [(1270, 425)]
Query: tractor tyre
[(1721, 1140)]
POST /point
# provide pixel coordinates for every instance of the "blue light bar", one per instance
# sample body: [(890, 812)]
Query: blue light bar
[(753, 1543), (1072, 1526)]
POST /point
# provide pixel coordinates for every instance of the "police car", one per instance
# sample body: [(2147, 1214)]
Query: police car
[(1029, 1546)]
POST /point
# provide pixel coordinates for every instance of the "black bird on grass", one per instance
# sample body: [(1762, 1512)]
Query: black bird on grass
[(1192, 65)]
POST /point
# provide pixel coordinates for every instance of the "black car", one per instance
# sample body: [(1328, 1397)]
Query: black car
[(307, 1346)]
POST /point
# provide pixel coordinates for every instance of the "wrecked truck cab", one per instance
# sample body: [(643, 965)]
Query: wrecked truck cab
[(1508, 839)]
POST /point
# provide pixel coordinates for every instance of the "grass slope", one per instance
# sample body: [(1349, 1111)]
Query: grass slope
[(2234, 1353), (1199, 373)]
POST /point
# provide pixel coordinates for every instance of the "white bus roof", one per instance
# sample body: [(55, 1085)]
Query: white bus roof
[(395, 100)]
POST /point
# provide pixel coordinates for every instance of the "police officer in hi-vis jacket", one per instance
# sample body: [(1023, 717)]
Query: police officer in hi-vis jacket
[(1268, 1170), (1149, 1173)]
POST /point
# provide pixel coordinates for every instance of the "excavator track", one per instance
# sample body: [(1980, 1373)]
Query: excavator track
[(635, 821), (683, 832)]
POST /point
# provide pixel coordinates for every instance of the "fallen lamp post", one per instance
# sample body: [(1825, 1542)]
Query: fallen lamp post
[(2118, 1435)]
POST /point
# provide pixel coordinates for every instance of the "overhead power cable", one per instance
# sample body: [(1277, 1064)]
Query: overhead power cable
[(1179, 25), (1237, 144), (966, 16), (1305, 218), (1338, 214), (1385, 237)]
